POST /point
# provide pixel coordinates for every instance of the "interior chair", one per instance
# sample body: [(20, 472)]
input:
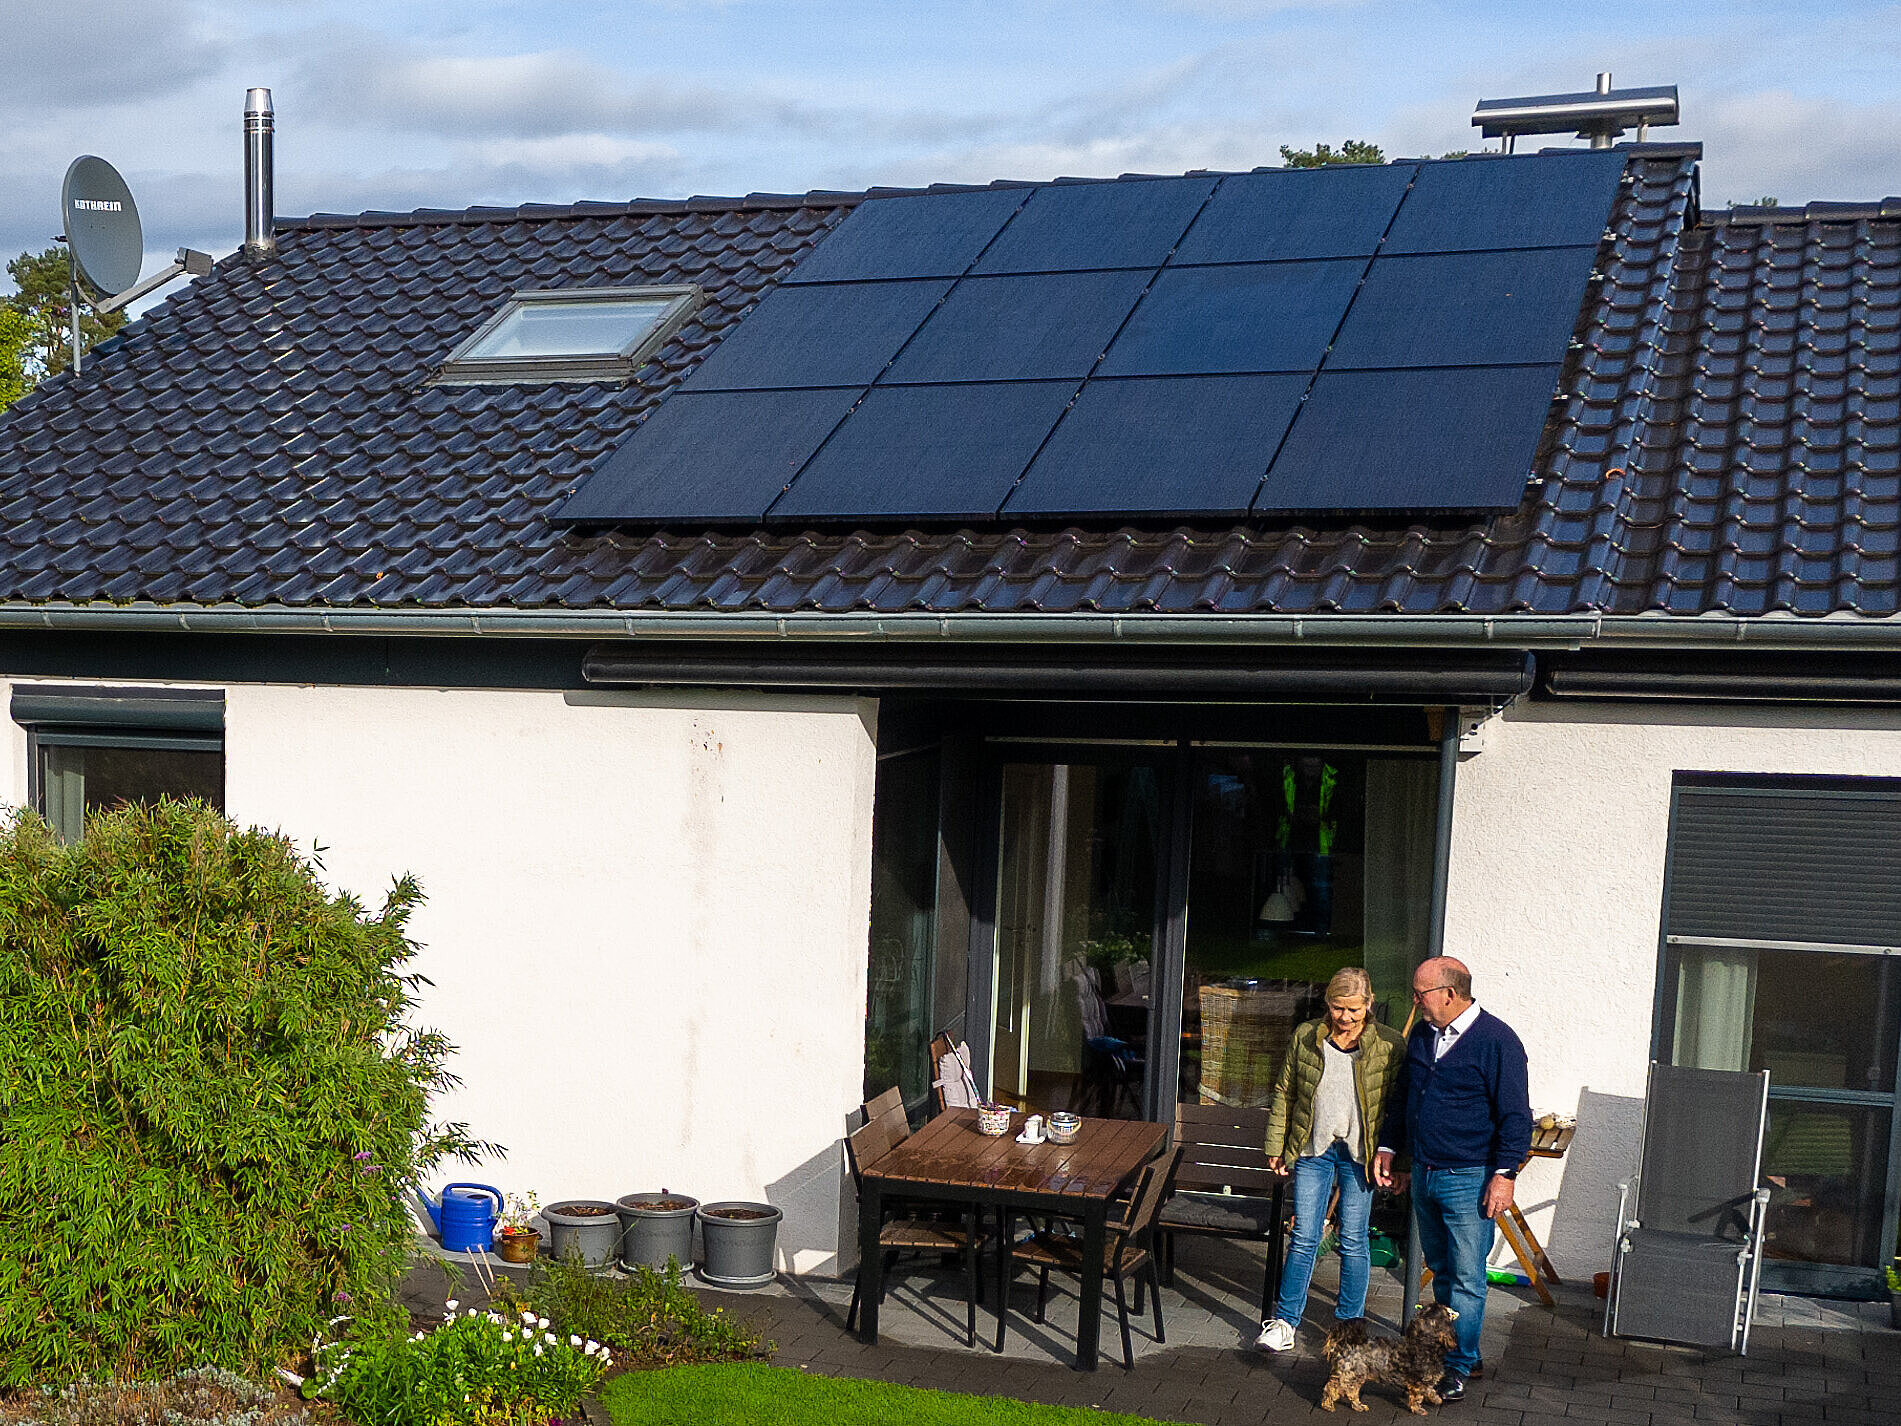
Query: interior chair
[(1224, 1188), (1128, 1252), (905, 1231), (952, 1086), (1688, 1254)]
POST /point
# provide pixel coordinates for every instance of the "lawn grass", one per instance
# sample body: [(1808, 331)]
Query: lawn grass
[(747, 1394)]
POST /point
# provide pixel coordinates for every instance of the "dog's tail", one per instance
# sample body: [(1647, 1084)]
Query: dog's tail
[(1345, 1335)]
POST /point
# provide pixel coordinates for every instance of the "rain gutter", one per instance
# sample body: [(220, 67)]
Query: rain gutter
[(1526, 631)]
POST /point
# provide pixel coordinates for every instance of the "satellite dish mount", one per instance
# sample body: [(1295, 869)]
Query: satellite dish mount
[(105, 244)]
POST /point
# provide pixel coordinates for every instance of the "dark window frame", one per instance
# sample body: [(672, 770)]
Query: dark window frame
[(186, 720), (1827, 1279)]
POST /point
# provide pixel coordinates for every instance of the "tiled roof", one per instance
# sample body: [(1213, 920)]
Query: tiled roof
[(1729, 442)]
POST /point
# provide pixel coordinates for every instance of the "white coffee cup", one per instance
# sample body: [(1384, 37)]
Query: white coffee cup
[(1033, 1129)]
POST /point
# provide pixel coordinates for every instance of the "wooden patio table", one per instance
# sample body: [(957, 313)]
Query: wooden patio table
[(949, 1159)]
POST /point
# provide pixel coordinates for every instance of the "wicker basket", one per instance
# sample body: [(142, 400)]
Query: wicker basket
[(1245, 1031), (993, 1119)]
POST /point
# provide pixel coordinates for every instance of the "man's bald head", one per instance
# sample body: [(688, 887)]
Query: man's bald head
[(1443, 988)]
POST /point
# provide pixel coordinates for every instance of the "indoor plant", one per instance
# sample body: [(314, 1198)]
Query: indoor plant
[(516, 1237)]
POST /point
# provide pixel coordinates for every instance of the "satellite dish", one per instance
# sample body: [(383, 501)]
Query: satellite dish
[(102, 226)]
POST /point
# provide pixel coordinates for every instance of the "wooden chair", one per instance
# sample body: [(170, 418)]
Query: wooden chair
[(909, 1234), (892, 1098), (1127, 1252), (1224, 1188)]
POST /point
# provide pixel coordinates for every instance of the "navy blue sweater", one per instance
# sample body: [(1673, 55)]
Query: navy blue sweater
[(1469, 1109)]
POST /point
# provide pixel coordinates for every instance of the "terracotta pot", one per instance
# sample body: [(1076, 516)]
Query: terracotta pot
[(518, 1247)]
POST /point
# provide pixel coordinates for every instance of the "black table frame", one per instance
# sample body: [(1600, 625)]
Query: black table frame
[(1092, 1210)]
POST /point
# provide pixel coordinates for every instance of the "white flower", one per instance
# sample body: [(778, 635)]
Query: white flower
[(508, 1336), (528, 1317), (451, 1304), (574, 1341), (590, 1349), (551, 1339), (537, 1349), (542, 1322)]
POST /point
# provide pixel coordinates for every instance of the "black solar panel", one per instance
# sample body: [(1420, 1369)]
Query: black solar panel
[(1020, 328), (1263, 316), (1072, 227), (712, 458), (819, 336), (1465, 309), (1297, 213), (1349, 338), (1460, 439), (1163, 446), (927, 453), (1543, 200), (929, 235)]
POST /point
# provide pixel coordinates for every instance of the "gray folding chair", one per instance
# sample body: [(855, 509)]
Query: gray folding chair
[(1690, 1225)]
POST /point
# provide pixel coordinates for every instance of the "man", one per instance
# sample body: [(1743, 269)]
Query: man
[(1461, 1110)]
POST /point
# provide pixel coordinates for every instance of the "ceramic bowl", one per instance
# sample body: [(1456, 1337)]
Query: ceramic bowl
[(993, 1118), (1064, 1127)]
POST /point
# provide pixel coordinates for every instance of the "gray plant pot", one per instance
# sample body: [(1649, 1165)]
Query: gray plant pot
[(738, 1252), (1894, 1310), (594, 1236), (651, 1231)]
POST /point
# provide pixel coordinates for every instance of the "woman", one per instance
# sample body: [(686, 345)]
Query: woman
[(1326, 1117)]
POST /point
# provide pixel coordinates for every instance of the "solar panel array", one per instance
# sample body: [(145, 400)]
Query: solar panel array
[(1346, 339)]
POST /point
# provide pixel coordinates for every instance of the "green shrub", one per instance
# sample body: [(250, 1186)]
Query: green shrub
[(212, 1098), (647, 1317), (476, 1369)]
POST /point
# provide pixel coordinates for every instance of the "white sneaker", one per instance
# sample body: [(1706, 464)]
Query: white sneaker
[(1276, 1336)]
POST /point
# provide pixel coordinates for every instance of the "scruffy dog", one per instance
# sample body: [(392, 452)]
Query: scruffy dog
[(1413, 1363)]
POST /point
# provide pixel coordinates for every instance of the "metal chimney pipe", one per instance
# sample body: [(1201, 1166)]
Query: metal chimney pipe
[(260, 241), (1602, 140)]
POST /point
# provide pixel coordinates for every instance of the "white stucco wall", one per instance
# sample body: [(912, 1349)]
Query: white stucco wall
[(1559, 833), (646, 918)]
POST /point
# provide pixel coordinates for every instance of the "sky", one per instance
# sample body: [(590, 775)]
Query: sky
[(395, 105)]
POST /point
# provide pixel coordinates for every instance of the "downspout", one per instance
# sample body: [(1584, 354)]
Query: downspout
[(1435, 941)]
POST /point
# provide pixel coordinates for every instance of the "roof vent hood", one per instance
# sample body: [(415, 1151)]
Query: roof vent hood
[(259, 239), (1600, 115)]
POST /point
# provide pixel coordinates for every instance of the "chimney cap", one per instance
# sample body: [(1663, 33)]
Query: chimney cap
[(257, 101)]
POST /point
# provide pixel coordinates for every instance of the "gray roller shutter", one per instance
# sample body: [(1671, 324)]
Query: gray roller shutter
[(1788, 863)]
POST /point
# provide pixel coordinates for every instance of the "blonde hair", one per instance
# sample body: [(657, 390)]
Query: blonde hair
[(1350, 981)]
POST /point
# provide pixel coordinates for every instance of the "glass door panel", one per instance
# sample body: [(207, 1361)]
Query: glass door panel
[(1826, 1026), (1075, 936), (1302, 862)]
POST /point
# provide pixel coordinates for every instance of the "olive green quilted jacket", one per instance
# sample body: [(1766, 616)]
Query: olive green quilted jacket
[(1290, 1118)]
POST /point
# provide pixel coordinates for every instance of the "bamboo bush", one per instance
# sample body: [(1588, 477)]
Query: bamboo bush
[(211, 1098)]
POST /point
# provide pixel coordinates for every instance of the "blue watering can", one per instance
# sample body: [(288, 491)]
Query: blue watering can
[(463, 1217)]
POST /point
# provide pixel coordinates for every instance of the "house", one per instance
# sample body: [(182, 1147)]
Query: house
[(1497, 555)]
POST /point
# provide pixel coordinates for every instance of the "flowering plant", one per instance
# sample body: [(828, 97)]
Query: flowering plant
[(518, 1215), (476, 1369)]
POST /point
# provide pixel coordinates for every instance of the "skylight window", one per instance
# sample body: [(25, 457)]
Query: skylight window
[(570, 334)]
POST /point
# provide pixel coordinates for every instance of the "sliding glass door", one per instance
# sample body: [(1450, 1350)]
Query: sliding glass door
[(1078, 887)]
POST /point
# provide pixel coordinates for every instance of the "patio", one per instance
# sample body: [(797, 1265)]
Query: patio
[(1809, 1361)]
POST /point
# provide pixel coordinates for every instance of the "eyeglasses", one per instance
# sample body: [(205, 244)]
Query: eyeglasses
[(1422, 994)]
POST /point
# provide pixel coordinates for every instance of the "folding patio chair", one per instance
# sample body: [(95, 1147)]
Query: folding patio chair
[(1690, 1225)]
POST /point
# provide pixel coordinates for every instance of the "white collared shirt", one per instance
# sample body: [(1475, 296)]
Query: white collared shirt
[(1446, 1038)]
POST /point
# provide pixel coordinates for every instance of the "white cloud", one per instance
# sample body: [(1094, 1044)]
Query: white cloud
[(83, 54)]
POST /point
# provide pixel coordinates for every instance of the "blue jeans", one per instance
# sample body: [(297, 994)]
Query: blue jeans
[(1455, 1238), (1314, 1179)]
